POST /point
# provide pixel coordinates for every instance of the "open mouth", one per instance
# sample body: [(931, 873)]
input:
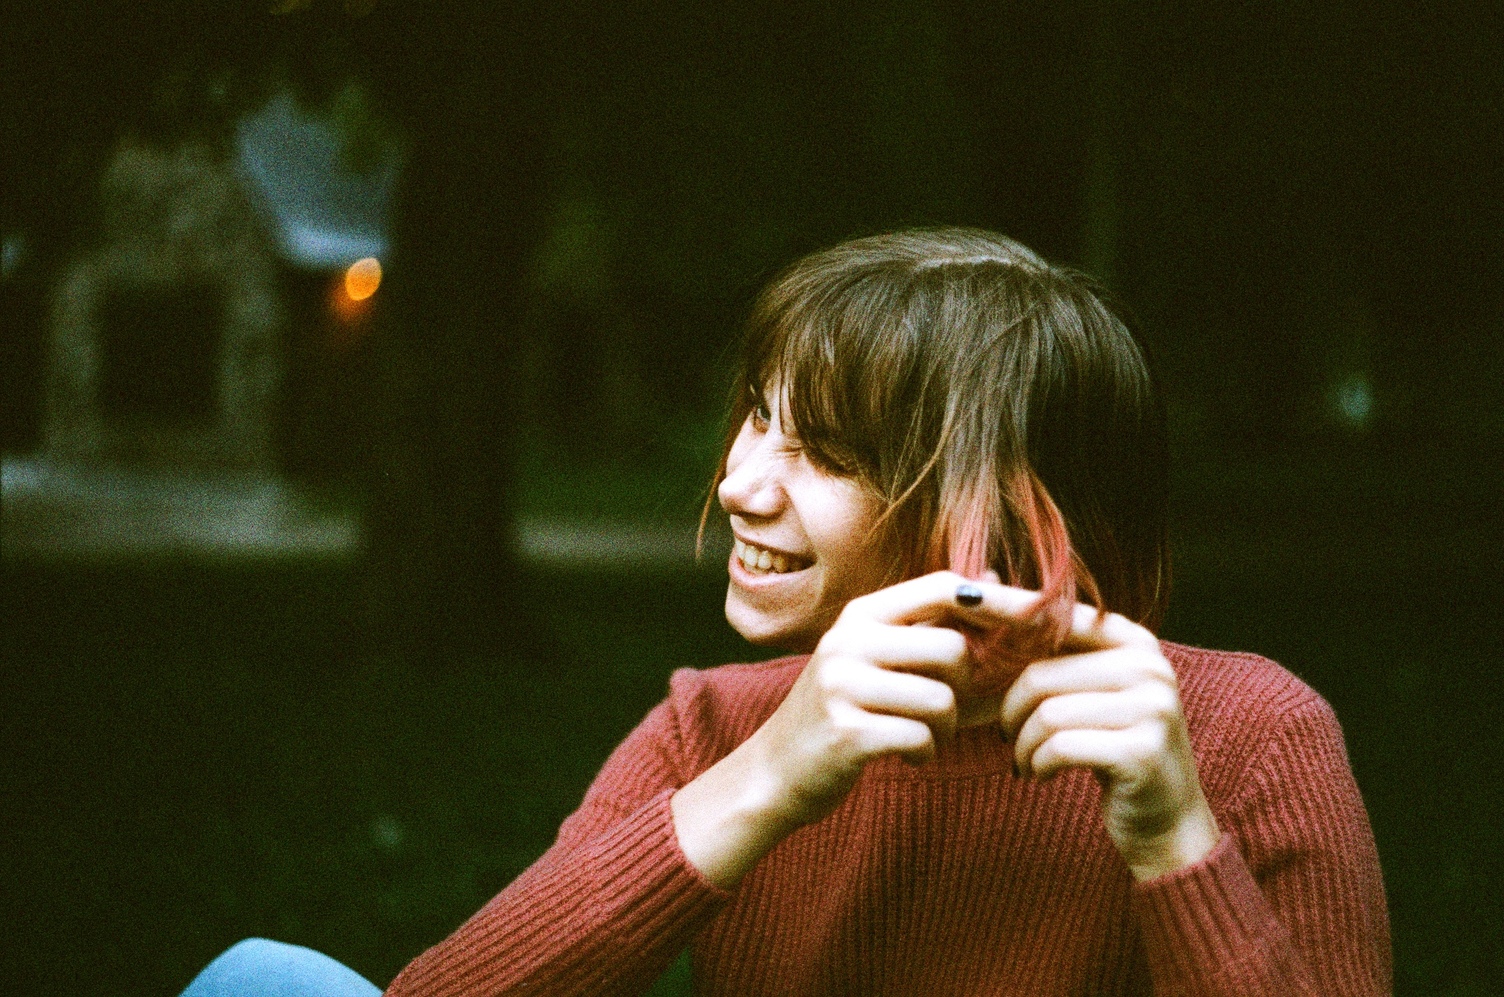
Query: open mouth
[(760, 561)]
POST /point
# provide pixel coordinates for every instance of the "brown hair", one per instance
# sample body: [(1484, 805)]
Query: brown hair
[(997, 404)]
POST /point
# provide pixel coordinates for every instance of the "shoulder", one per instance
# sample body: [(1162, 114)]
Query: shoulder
[(1232, 682), (1239, 705), (717, 709)]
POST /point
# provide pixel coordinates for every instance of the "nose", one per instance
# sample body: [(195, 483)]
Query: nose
[(753, 486)]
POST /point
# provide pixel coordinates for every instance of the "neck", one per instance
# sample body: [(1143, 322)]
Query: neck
[(974, 711)]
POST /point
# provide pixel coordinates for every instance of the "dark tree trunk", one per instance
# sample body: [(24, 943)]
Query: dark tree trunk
[(444, 577)]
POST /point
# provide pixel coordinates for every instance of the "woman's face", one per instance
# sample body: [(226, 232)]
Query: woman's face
[(802, 547)]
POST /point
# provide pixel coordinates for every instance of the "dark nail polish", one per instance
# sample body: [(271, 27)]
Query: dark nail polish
[(968, 595)]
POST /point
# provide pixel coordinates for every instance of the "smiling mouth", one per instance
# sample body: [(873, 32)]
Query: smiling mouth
[(760, 561)]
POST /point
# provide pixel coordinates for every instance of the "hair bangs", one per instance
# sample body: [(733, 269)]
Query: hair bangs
[(838, 357)]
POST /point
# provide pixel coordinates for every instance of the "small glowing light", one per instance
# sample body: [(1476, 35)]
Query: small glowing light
[(362, 279)]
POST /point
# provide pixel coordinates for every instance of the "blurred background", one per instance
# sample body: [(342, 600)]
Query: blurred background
[(361, 372)]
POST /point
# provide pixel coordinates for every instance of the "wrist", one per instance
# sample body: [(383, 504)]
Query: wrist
[(730, 816), (1189, 841)]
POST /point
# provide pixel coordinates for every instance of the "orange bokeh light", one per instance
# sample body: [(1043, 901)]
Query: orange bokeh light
[(362, 279)]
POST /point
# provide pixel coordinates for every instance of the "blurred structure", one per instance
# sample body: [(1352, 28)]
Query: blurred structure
[(326, 197), (166, 347), (163, 343)]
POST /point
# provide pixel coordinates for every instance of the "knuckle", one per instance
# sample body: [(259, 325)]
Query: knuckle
[(1155, 666), (848, 615), (867, 742), (1162, 700), (834, 678), (839, 639), (953, 644), (846, 730), (942, 698), (1155, 740), (911, 734), (1050, 714)]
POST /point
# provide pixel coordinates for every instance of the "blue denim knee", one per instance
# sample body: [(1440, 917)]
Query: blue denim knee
[(259, 967)]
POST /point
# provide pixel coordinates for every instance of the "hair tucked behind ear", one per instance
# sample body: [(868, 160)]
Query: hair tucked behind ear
[(998, 405)]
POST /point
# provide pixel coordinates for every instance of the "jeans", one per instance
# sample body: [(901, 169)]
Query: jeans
[(258, 967)]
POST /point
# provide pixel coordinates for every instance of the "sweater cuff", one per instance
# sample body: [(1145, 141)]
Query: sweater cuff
[(644, 851), (1202, 920)]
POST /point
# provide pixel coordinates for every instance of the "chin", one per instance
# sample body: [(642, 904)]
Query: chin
[(764, 631)]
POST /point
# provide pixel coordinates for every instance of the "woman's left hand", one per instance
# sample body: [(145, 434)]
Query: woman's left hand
[(1113, 707)]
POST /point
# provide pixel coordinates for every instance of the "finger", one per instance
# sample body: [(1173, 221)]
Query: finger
[(923, 599), (1098, 671), (1087, 711), (883, 734), (1090, 628), (936, 651), (1117, 754), (934, 596), (916, 697), (876, 690)]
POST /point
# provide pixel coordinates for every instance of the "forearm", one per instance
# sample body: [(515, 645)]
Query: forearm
[(1208, 931), (605, 909), (729, 817), (603, 917), (1291, 900)]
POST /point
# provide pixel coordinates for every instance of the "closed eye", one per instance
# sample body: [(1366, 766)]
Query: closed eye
[(762, 416)]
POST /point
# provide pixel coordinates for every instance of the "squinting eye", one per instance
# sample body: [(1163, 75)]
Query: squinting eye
[(760, 413)]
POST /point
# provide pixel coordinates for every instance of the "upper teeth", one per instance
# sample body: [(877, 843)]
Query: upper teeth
[(762, 561)]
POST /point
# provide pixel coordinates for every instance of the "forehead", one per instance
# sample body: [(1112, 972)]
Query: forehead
[(793, 362)]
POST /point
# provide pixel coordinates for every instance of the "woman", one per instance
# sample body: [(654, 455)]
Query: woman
[(981, 773)]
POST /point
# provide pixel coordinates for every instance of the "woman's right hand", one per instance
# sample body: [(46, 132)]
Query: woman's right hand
[(880, 682)]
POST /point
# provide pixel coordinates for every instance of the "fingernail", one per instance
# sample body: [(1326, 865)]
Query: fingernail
[(968, 595)]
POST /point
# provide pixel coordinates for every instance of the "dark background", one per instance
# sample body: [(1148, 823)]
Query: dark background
[(1295, 200)]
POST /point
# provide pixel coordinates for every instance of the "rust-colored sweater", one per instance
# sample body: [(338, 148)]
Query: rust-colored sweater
[(953, 877)]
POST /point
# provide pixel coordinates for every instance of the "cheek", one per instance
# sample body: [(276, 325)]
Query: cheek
[(853, 562)]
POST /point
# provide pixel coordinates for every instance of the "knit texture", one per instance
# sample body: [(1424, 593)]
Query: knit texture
[(953, 877)]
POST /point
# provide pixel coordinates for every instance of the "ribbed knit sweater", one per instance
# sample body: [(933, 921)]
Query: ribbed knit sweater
[(953, 877)]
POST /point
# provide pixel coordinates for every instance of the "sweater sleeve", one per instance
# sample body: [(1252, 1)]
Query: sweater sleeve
[(603, 911), (1290, 902)]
